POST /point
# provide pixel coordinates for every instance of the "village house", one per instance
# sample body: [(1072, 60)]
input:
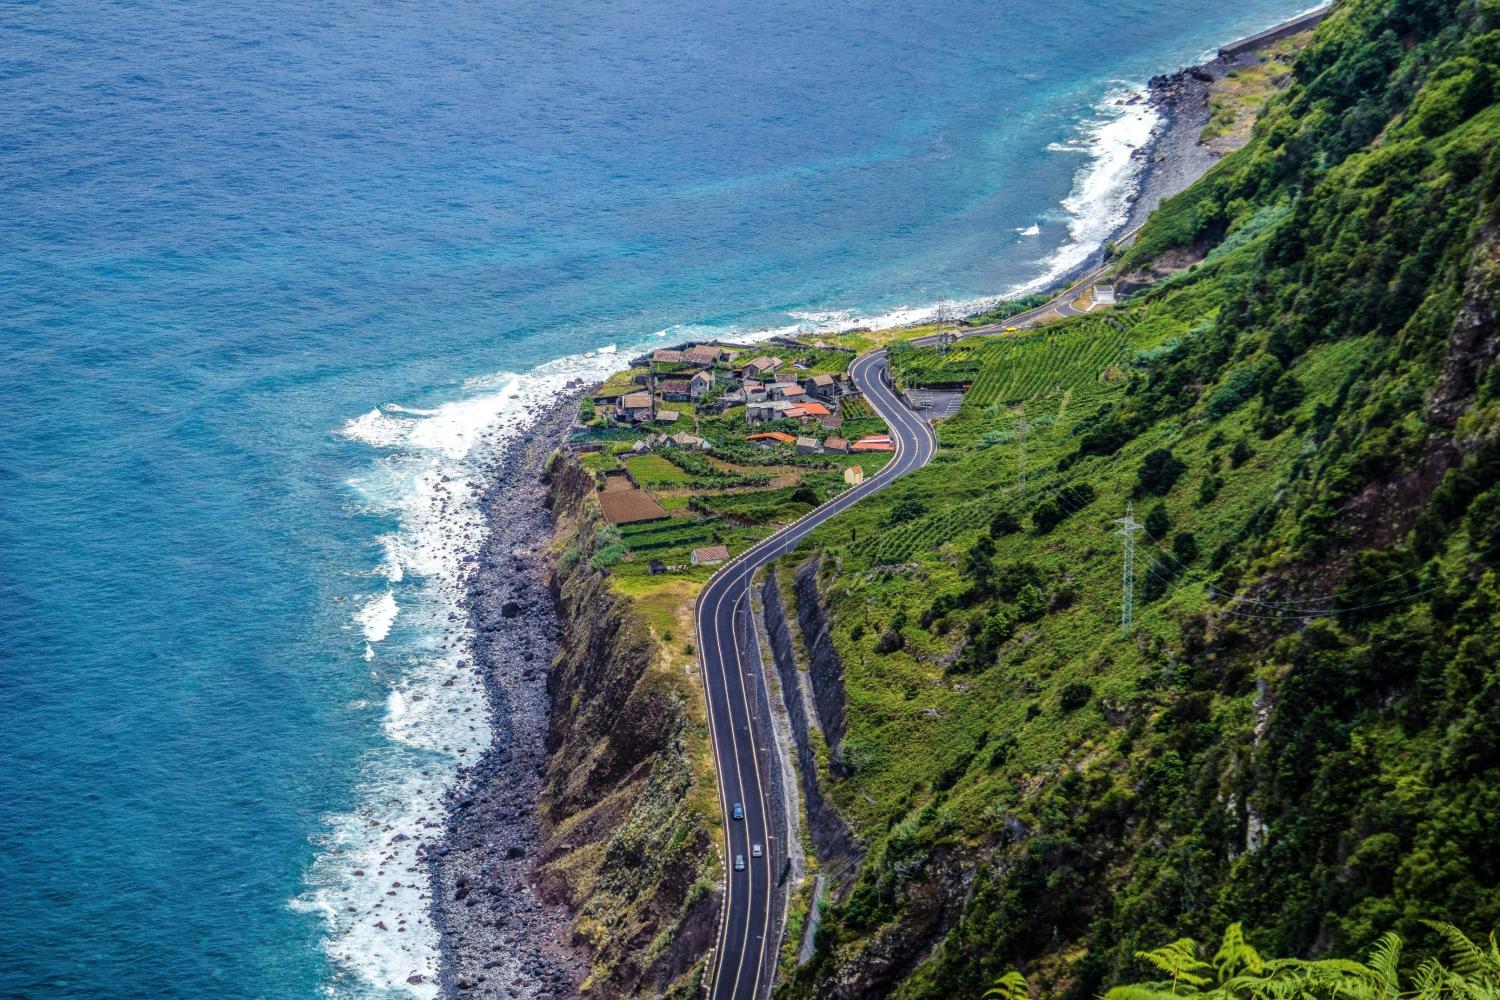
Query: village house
[(692, 442), (761, 367), (854, 475), (666, 356), (809, 410), (710, 555), (874, 442), (674, 390), (807, 446), (824, 387), (635, 407), (700, 385), (789, 391), (770, 439), (666, 416), (769, 409), (754, 391), (840, 445), (704, 355)]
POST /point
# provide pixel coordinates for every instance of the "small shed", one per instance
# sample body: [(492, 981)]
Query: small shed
[(710, 555)]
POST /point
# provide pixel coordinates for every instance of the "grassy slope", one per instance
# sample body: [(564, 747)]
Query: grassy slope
[(1321, 777)]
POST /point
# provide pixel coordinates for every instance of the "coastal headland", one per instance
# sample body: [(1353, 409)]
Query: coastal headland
[(580, 851)]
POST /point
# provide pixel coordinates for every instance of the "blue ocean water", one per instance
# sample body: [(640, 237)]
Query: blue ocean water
[(268, 271)]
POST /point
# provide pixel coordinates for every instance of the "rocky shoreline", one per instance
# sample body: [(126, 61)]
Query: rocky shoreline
[(1174, 157), (499, 939)]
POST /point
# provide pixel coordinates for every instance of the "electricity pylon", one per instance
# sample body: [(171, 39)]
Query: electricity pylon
[(1128, 527)]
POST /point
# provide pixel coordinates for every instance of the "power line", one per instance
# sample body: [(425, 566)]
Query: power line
[(1128, 527)]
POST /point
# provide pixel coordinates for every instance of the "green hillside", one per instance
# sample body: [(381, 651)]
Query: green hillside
[(1302, 729)]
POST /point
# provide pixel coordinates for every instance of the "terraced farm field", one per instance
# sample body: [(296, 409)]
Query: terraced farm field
[(654, 538), (654, 470), (1042, 376)]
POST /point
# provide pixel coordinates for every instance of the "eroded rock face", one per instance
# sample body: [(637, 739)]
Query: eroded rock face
[(833, 842), (622, 845), (825, 670)]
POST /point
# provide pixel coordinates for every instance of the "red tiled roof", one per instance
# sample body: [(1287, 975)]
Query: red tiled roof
[(875, 442), (781, 436)]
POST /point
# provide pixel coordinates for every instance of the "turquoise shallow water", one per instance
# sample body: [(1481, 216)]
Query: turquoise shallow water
[(232, 232)]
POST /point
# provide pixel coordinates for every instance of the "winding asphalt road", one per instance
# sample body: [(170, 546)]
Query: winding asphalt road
[(729, 656)]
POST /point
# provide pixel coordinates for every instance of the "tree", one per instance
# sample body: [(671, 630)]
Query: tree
[(1185, 546), (1004, 523), (908, 508), (979, 561), (1240, 454), (1047, 516), (1159, 471), (1075, 696), (1157, 524)]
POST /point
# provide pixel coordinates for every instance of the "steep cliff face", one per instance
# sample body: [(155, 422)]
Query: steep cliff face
[(626, 805), (823, 667), (831, 840)]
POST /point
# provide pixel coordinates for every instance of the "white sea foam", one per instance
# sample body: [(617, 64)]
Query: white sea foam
[(424, 475), (1099, 203), (377, 616), (1034, 229)]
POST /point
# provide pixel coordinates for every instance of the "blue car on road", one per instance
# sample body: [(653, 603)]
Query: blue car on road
[(738, 812)]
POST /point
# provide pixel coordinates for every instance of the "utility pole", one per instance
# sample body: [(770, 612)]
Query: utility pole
[(941, 319), (1128, 527)]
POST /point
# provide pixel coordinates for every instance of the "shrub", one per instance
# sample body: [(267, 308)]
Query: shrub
[(1047, 516), (979, 562), (1240, 454), (1004, 523), (1185, 546), (1075, 696), (1159, 471), (1157, 525), (906, 509), (1238, 387)]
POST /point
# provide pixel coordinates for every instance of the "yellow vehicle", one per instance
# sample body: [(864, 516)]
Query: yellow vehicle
[(1012, 329)]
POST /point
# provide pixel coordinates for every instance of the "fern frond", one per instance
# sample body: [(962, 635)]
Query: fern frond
[(1385, 958), (1136, 992), (1011, 986), (1466, 956), (1235, 953), (1428, 978)]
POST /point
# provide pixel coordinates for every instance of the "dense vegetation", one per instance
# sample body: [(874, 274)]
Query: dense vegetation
[(1237, 971), (1301, 728)]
